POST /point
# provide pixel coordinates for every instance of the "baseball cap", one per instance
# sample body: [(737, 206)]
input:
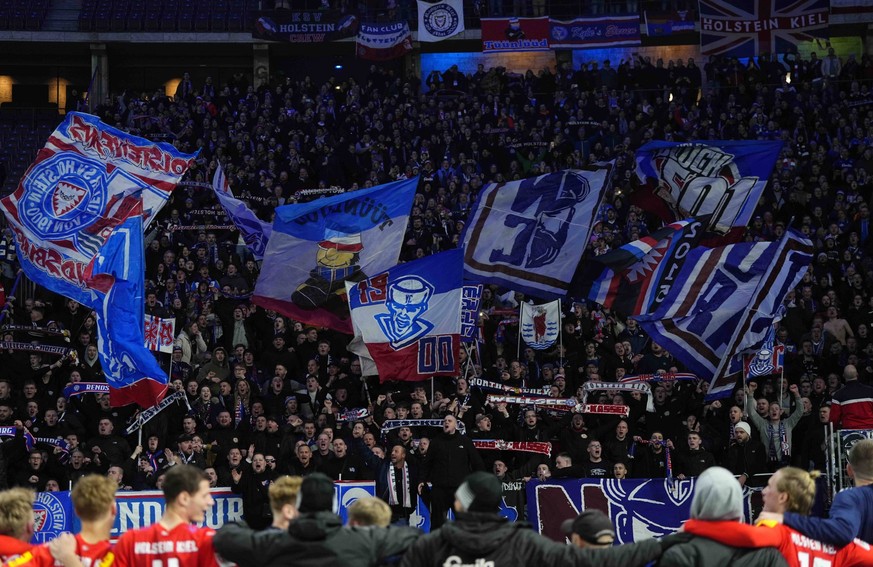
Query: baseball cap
[(592, 526)]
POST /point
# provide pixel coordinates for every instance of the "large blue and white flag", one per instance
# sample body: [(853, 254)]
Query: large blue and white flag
[(255, 232), (84, 183), (72, 216), (316, 247), (711, 177), (529, 235), (724, 302), (409, 318), (118, 300)]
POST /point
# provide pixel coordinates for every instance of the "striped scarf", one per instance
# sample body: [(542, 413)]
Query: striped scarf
[(393, 497)]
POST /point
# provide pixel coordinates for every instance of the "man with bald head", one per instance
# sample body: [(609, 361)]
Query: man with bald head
[(852, 405)]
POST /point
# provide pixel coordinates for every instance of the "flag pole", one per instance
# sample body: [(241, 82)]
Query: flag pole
[(518, 342), (8, 305)]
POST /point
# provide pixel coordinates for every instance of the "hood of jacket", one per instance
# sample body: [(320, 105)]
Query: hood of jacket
[(315, 526)]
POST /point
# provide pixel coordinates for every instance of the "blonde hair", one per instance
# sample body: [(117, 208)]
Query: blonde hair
[(800, 487), (93, 497), (284, 490), (370, 511), (16, 512)]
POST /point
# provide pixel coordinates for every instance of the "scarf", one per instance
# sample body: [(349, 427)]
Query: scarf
[(393, 499), (659, 377), (632, 451), (353, 414), (562, 404), (398, 423), (783, 441), (488, 385), (524, 446)]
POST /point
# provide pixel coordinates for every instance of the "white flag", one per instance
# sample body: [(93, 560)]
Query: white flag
[(440, 20), (540, 324)]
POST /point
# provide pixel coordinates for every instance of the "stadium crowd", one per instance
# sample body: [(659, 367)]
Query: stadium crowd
[(268, 395)]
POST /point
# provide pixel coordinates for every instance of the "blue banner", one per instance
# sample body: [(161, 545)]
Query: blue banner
[(529, 235), (316, 247), (606, 31), (471, 296), (255, 232)]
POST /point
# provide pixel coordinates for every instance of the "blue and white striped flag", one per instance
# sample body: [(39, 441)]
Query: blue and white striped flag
[(724, 302), (255, 232)]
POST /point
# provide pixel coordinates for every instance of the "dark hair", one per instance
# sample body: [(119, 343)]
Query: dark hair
[(182, 478)]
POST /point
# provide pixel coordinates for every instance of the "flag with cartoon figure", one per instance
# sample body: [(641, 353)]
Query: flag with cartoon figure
[(409, 318), (316, 247)]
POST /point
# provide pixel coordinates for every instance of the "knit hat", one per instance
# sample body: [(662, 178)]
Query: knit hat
[(480, 492), (744, 426), (717, 496), (316, 494)]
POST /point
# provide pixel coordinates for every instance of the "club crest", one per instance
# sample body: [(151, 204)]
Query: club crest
[(66, 197)]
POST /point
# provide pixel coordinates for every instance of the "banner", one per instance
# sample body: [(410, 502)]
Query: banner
[(661, 24), (768, 359), (440, 20), (540, 324), (724, 179), (637, 276), (515, 34), (160, 333), (851, 6), (409, 318), (607, 31), (724, 302), (255, 232), (304, 27), (748, 28), (529, 235), (383, 42), (85, 181), (315, 247), (471, 295)]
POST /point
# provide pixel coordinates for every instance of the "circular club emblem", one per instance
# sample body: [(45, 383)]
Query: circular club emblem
[(62, 195), (441, 20), (49, 517), (559, 33)]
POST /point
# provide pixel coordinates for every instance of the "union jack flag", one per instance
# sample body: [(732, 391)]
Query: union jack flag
[(746, 28)]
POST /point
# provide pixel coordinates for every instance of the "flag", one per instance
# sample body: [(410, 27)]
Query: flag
[(529, 235), (723, 303), (409, 317), (471, 297), (255, 232), (540, 324), (78, 217), (720, 178), (748, 28), (636, 277), (160, 333), (382, 42), (316, 247), (599, 31), (440, 20), (515, 34), (768, 359), (116, 275), (84, 183)]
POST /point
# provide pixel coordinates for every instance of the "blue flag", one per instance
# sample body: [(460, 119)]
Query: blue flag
[(255, 232), (724, 302), (116, 275), (316, 247), (529, 235)]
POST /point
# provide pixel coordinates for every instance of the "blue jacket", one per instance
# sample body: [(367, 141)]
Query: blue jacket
[(851, 516)]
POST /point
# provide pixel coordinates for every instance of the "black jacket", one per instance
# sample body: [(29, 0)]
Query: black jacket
[(477, 538), (701, 551), (316, 540), (450, 459)]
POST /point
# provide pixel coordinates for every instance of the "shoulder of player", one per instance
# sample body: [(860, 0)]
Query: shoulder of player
[(32, 558)]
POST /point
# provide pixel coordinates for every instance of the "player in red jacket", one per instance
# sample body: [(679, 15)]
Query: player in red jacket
[(790, 489), (94, 503), (174, 541), (16, 522)]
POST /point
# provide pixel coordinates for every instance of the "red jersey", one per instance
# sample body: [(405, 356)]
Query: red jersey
[(798, 549), (90, 554), (186, 545), (11, 547)]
